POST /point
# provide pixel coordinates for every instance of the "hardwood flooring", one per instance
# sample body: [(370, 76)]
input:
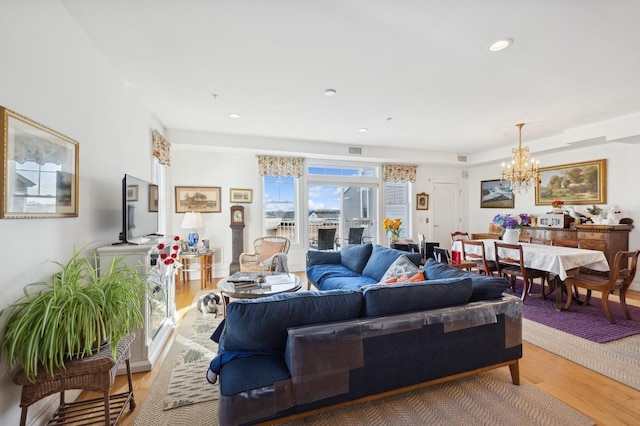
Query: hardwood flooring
[(604, 400)]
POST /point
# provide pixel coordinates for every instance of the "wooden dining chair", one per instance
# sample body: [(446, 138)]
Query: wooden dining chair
[(559, 242), (458, 235), (510, 264), (621, 277), (483, 265)]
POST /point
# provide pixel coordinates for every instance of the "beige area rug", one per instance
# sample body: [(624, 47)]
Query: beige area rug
[(619, 360), (483, 399), (181, 380)]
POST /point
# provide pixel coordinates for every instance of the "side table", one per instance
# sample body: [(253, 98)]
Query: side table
[(96, 373), (206, 267)]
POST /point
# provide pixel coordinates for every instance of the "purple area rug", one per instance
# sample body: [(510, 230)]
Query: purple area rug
[(588, 322)]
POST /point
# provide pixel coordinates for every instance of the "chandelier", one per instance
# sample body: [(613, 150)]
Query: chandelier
[(522, 173)]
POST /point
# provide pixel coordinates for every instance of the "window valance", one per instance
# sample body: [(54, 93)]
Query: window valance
[(280, 166), (161, 148), (399, 173)]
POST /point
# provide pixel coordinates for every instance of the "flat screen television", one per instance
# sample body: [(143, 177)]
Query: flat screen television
[(139, 210)]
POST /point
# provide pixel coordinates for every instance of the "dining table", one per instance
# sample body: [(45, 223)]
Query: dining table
[(556, 260)]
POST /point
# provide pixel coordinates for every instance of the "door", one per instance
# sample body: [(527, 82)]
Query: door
[(446, 212)]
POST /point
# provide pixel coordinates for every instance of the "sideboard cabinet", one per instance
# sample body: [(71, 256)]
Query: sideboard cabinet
[(607, 238)]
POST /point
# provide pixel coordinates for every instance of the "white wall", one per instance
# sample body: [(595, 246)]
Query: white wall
[(52, 74)]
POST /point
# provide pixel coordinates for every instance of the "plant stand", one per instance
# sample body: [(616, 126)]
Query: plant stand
[(95, 373)]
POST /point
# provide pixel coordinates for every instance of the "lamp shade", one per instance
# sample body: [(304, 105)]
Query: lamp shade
[(192, 220)]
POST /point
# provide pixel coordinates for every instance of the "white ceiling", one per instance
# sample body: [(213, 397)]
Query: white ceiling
[(416, 73)]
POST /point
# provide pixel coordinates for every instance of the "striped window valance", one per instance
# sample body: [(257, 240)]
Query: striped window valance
[(161, 148), (280, 166), (399, 173)]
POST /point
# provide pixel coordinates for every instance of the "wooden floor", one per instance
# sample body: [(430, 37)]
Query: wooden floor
[(604, 400)]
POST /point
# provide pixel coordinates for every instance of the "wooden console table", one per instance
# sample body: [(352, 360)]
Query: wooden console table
[(96, 373)]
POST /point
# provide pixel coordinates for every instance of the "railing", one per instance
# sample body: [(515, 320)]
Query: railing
[(287, 228)]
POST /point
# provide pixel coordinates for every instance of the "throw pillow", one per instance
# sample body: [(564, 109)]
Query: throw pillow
[(417, 277), (269, 248), (402, 267)]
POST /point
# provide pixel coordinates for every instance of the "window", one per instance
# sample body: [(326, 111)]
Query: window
[(398, 204), (280, 211)]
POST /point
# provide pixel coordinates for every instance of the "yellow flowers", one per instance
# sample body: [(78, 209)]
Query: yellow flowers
[(392, 226)]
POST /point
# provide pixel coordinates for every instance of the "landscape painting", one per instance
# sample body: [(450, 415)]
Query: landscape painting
[(576, 183), (496, 194)]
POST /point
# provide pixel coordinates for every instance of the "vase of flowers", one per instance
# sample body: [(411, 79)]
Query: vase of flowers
[(557, 206), (392, 226), (512, 225)]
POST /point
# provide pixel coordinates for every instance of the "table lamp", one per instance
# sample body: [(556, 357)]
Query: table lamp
[(192, 221)]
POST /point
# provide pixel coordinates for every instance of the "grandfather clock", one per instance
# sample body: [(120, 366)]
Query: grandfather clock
[(237, 237)]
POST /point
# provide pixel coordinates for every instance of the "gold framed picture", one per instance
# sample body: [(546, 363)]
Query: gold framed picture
[(422, 201), (240, 195), (203, 199), (575, 183), (39, 170)]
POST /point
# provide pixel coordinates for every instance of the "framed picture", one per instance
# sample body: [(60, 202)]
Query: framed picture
[(575, 183), (494, 194), (153, 198), (203, 199), (132, 193), (241, 195), (39, 171), (422, 201)]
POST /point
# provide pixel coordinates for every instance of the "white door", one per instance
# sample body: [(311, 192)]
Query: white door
[(446, 212)]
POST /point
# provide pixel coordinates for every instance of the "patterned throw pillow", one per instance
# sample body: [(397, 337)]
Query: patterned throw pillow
[(402, 267), (417, 277)]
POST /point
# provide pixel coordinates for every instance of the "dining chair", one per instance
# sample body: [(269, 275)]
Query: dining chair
[(458, 235), (524, 240), (559, 242), (510, 264), (621, 277), (483, 265)]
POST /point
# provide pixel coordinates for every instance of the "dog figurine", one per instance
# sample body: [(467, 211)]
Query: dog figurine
[(208, 304)]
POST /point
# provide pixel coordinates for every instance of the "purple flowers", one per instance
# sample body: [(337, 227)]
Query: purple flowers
[(512, 221)]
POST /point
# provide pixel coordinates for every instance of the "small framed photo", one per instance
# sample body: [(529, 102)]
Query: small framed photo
[(241, 195), (153, 198), (422, 201), (132, 193), (39, 171), (203, 199)]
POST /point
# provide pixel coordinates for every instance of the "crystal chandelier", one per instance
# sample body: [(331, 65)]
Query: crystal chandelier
[(522, 173)]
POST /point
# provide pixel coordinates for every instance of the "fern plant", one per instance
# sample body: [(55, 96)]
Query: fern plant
[(65, 318)]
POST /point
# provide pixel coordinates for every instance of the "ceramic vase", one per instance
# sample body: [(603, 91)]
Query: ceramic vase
[(511, 236)]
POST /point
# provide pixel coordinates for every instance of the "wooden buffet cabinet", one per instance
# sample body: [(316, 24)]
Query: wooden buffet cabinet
[(607, 238)]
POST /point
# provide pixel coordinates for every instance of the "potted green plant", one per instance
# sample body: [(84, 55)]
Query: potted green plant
[(68, 317)]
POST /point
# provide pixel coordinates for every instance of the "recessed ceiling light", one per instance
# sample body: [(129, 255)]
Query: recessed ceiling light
[(234, 115), (363, 130), (499, 45), (330, 92)]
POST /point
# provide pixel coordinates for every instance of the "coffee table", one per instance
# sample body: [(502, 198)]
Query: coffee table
[(277, 283)]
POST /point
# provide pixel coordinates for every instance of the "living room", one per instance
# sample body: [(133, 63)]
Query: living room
[(54, 73)]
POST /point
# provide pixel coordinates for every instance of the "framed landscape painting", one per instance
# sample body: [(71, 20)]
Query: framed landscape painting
[(575, 183), (496, 194), (203, 199)]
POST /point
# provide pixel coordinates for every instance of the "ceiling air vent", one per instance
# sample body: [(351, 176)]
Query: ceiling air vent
[(462, 158), (355, 150)]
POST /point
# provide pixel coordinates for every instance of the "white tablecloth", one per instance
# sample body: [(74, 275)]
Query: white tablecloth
[(555, 259)]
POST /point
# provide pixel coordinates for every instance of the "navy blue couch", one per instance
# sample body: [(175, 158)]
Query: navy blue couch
[(295, 352)]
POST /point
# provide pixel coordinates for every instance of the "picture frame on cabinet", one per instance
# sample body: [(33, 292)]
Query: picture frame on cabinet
[(574, 183), (39, 170), (203, 199), (153, 198), (237, 196)]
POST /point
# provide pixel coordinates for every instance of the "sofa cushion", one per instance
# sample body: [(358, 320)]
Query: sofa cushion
[(401, 267), (261, 324), (242, 374), (382, 257), (347, 283), (317, 274), (322, 258), (484, 287), (355, 256), (406, 297), (269, 248)]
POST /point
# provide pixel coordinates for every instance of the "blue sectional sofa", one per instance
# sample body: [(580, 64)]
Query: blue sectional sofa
[(291, 353)]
